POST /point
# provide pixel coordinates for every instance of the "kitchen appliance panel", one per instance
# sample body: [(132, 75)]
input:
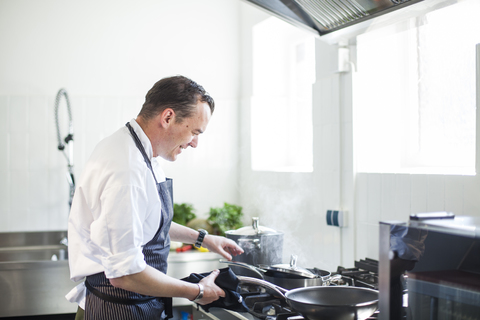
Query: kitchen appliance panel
[(444, 294), (430, 269)]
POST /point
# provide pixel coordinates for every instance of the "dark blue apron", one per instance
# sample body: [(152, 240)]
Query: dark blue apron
[(104, 301)]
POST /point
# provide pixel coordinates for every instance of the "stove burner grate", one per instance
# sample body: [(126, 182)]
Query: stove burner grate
[(264, 306), (364, 274)]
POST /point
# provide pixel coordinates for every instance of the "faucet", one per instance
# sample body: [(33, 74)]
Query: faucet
[(67, 142)]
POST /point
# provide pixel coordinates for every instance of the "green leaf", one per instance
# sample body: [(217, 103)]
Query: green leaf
[(229, 217), (183, 213)]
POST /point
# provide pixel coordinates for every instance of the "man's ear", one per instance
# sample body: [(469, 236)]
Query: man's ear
[(167, 117)]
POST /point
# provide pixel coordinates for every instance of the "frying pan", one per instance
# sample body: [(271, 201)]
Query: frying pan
[(330, 302)]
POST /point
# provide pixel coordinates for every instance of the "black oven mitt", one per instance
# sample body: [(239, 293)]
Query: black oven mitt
[(228, 281)]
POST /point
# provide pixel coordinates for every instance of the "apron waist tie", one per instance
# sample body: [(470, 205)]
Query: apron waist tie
[(106, 297)]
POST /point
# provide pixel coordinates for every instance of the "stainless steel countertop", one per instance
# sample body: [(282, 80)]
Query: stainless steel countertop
[(192, 255)]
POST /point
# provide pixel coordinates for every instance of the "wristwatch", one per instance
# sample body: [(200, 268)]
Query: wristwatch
[(201, 235)]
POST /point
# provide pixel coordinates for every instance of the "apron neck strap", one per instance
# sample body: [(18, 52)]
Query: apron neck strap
[(140, 147)]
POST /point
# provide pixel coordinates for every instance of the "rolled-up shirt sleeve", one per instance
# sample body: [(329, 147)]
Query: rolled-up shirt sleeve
[(118, 231), (124, 263)]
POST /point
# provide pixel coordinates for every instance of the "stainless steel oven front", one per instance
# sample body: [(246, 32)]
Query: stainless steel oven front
[(429, 268)]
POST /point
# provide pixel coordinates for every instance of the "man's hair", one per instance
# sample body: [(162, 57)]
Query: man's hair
[(178, 93)]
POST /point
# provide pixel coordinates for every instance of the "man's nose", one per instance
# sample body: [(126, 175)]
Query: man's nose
[(194, 142)]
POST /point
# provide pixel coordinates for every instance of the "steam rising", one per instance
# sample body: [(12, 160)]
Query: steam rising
[(286, 203)]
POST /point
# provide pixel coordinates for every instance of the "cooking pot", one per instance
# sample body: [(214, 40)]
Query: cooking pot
[(326, 302), (261, 246), (290, 276), (323, 278)]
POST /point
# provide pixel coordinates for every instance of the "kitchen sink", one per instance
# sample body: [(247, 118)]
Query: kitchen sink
[(32, 239), (40, 253), (34, 274), (33, 246)]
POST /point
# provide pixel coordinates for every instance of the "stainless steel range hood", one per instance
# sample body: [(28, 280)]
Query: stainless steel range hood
[(326, 16)]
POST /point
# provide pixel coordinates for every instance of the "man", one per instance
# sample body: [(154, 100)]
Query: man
[(120, 221)]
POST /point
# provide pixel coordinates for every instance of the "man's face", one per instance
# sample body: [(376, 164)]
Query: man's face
[(184, 134)]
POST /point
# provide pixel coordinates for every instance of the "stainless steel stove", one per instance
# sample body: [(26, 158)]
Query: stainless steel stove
[(265, 306)]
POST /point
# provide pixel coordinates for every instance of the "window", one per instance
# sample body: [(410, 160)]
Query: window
[(281, 114), (414, 94)]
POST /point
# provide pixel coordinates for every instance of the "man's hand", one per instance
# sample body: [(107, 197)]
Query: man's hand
[(212, 292), (221, 245)]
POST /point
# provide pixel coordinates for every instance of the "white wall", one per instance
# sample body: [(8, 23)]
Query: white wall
[(108, 54), (297, 203)]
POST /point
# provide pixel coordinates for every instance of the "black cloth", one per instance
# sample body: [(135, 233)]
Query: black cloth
[(228, 281)]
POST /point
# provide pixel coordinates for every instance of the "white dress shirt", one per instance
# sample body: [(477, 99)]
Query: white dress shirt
[(116, 210)]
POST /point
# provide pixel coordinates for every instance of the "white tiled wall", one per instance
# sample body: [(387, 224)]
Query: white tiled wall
[(107, 65), (34, 190), (384, 197)]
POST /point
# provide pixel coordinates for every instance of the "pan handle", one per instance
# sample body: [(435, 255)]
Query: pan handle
[(281, 291), (246, 266)]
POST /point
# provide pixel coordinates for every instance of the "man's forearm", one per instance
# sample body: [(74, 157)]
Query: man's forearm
[(152, 282), (182, 234)]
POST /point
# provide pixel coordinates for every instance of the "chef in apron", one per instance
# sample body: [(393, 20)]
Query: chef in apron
[(120, 223)]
